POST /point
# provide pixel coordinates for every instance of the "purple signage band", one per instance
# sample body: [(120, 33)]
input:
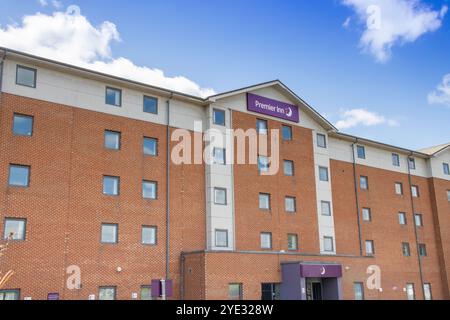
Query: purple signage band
[(272, 107), (320, 270)]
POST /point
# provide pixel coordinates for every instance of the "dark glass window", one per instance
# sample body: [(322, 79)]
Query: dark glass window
[(150, 104)]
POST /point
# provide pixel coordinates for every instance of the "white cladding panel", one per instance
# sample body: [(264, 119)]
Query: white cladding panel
[(85, 93)]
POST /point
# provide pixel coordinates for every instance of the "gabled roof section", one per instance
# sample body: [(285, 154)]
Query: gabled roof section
[(432, 151), (277, 83)]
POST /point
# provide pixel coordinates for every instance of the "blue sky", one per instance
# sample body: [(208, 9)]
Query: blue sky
[(230, 44)]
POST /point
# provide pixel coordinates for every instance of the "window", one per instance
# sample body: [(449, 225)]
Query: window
[(406, 249), (292, 242), (363, 182), (149, 235), (150, 146), (264, 201), (361, 151), (422, 250), (289, 204), (146, 293), (427, 291), (220, 196), (370, 250), (219, 155), (328, 244), (399, 188), (26, 76), (288, 167), (395, 160), (107, 293), (109, 233), (112, 140), (402, 218), (446, 168), (287, 132), (150, 104), (418, 220), (219, 117), (19, 175), (113, 97), (263, 164), (323, 173), (415, 191), (366, 214), (235, 291), (325, 208), (261, 126), (321, 140), (412, 163), (14, 229), (149, 189), (9, 295), (221, 238), (358, 288), (111, 185), (448, 195), (266, 240), (410, 294), (22, 125)]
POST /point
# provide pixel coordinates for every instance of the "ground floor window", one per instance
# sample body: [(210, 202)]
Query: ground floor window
[(107, 293), (427, 291), (410, 294), (270, 291), (146, 293), (235, 291), (9, 294), (358, 288)]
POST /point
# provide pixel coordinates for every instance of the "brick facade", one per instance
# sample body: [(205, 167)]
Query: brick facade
[(64, 207)]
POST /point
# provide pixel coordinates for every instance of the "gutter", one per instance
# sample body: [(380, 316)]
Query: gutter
[(416, 236), (168, 187), (356, 197)]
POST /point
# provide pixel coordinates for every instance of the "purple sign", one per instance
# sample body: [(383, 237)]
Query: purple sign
[(53, 296), (272, 107), (320, 270), (157, 288)]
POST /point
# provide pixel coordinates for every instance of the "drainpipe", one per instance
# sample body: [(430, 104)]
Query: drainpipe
[(355, 183), (416, 236), (168, 187)]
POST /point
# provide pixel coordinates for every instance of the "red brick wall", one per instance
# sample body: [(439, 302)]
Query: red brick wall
[(250, 220), (65, 207), (441, 212), (384, 229)]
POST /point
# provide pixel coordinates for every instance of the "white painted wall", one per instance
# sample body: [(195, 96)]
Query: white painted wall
[(84, 93), (436, 165), (221, 176), (375, 157)]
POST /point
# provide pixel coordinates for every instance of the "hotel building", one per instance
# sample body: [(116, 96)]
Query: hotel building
[(95, 208)]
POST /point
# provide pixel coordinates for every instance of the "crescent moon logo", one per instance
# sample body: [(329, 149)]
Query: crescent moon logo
[(322, 272), (289, 112)]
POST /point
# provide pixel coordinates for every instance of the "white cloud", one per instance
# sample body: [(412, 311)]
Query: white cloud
[(442, 93), (70, 37), (43, 3), (362, 117), (393, 22)]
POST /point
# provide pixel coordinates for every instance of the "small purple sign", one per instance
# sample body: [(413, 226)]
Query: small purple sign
[(320, 270), (157, 288), (272, 107)]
